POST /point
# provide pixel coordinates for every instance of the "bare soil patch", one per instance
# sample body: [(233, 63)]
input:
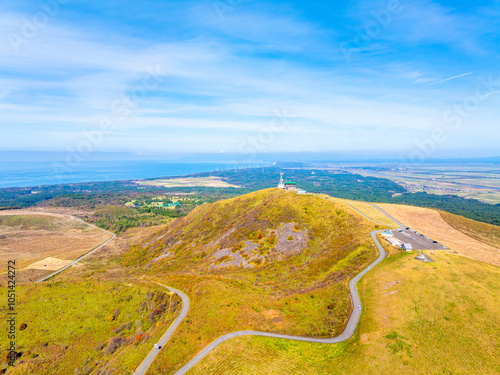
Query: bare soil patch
[(50, 264)]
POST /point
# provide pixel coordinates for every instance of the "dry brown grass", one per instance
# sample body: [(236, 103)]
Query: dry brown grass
[(210, 181), (46, 235), (483, 232), (51, 264), (368, 210), (430, 223)]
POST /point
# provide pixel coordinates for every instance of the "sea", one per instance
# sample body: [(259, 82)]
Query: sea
[(37, 173)]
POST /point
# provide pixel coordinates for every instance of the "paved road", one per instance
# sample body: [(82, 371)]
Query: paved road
[(84, 255), (346, 334), (389, 216), (154, 352), (369, 218)]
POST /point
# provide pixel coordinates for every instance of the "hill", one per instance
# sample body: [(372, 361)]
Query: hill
[(420, 318), (270, 260), (304, 235)]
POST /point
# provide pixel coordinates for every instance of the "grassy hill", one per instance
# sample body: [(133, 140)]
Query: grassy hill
[(305, 237), (269, 260), (419, 318)]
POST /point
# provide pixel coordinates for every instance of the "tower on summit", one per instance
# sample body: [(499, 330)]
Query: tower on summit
[(281, 184)]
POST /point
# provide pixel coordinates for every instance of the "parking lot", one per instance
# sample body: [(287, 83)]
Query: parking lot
[(418, 241)]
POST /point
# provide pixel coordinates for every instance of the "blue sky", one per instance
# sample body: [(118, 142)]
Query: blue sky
[(412, 78)]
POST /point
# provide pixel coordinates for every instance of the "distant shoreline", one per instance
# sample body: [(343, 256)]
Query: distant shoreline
[(35, 174)]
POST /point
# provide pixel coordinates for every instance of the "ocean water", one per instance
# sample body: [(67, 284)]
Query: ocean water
[(24, 174)]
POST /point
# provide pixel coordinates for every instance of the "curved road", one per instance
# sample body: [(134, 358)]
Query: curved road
[(346, 334), (154, 352), (84, 255)]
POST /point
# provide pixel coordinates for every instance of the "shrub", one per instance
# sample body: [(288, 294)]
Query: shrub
[(152, 316), (140, 337), (113, 344), (124, 326)]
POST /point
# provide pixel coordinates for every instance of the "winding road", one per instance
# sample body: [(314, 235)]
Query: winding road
[(143, 367), (349, 329)]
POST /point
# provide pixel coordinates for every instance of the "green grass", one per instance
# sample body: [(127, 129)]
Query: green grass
[(39, 222), (69, 325), (303, 294), (439, 318)]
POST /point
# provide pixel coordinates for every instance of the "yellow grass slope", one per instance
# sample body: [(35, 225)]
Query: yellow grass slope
[(418, 318), (430, 223), (483, 232), (366, 209)]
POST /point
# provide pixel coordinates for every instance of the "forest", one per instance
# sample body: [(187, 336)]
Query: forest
[(97, 195)]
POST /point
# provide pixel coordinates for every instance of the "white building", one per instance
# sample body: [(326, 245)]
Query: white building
[(407, 247), (281, 184)]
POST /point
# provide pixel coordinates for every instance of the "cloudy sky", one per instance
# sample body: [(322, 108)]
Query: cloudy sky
[(233, 76)]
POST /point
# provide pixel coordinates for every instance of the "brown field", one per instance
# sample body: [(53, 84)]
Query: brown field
[(29, 237), (50, 264), (483, 232), (430, 223), (189, 182)]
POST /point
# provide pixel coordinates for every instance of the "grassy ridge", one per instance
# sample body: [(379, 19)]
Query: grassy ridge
[(419, 318)]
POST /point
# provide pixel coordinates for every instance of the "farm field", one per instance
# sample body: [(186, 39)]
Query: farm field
[(210, 181), (29, 237), (418, 318), (430, 223), (474, 182)]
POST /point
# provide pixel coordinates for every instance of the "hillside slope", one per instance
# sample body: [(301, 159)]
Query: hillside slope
[(312, 237), (270, 260), (487, 233), (419, 318)]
